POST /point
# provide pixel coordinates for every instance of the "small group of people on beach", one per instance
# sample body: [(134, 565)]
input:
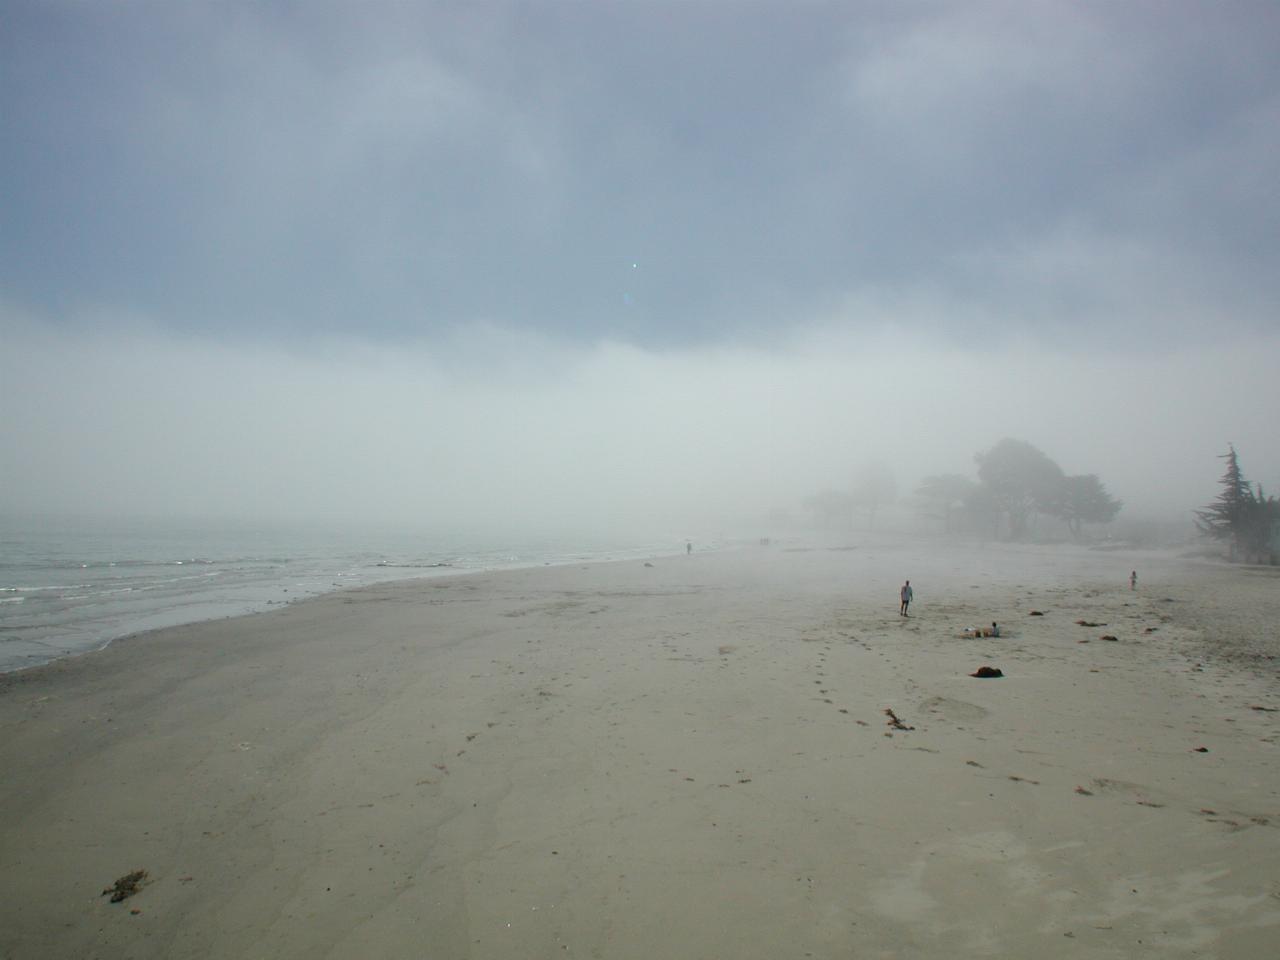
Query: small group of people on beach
[(906, 594)]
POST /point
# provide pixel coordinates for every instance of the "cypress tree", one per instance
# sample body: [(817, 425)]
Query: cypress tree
[(1234, 512)]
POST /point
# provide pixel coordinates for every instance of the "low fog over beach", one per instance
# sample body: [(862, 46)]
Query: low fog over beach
[(460, 465)]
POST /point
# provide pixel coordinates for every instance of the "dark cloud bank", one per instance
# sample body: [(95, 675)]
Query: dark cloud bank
[(628, 261)]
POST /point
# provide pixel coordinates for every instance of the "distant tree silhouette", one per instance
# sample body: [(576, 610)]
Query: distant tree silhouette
[(1083, 499), (1263, 537), (982, 510), (873, 487), (944, 497), (1021, 481), (1224, 519), (1244, 519)]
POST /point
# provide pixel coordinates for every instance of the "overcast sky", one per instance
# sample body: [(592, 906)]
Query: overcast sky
[(619, 256)]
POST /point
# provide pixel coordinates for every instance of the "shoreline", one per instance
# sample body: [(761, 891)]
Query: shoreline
[(690, 758), (244, 608)]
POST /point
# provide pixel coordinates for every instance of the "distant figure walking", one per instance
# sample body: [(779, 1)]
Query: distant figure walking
[(688, 548), (906, 593), (1133, 580)]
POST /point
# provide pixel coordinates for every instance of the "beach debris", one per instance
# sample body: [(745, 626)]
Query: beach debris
[(973, 763), (648, 564), (1037, 613), (1017, 779), (1263, 709), (1089, 623), (126, 886), (1083, 792), (895, 721), (1150, 630), (1201, 749), (986, 672), (725, 648), (1107, 636)]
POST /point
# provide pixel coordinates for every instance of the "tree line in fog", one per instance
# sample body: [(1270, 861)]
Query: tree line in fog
[(1015, 485)]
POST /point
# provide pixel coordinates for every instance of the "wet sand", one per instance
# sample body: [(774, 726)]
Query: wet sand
[(689, 759)]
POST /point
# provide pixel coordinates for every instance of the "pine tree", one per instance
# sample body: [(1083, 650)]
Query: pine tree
[(1232, 516)]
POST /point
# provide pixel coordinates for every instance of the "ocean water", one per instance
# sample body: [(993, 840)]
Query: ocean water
[(72, 585)]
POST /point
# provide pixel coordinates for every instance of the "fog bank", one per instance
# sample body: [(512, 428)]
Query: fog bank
[(502, 429)]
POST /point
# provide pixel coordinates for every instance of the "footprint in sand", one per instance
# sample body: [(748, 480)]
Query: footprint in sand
[(949, 709), (1245, 821), (1136, 791)]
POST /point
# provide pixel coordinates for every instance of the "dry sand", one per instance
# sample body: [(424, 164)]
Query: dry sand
[(689, 759)]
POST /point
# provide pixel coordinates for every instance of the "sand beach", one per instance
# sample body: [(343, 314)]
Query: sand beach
[(684, 757)]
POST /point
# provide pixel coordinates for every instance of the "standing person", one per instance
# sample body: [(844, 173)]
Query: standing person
[(906, 593), (1133, 580), (688, 548)]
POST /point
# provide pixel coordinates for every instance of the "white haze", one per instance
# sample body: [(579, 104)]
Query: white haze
[(500, 430), (729, 255)]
